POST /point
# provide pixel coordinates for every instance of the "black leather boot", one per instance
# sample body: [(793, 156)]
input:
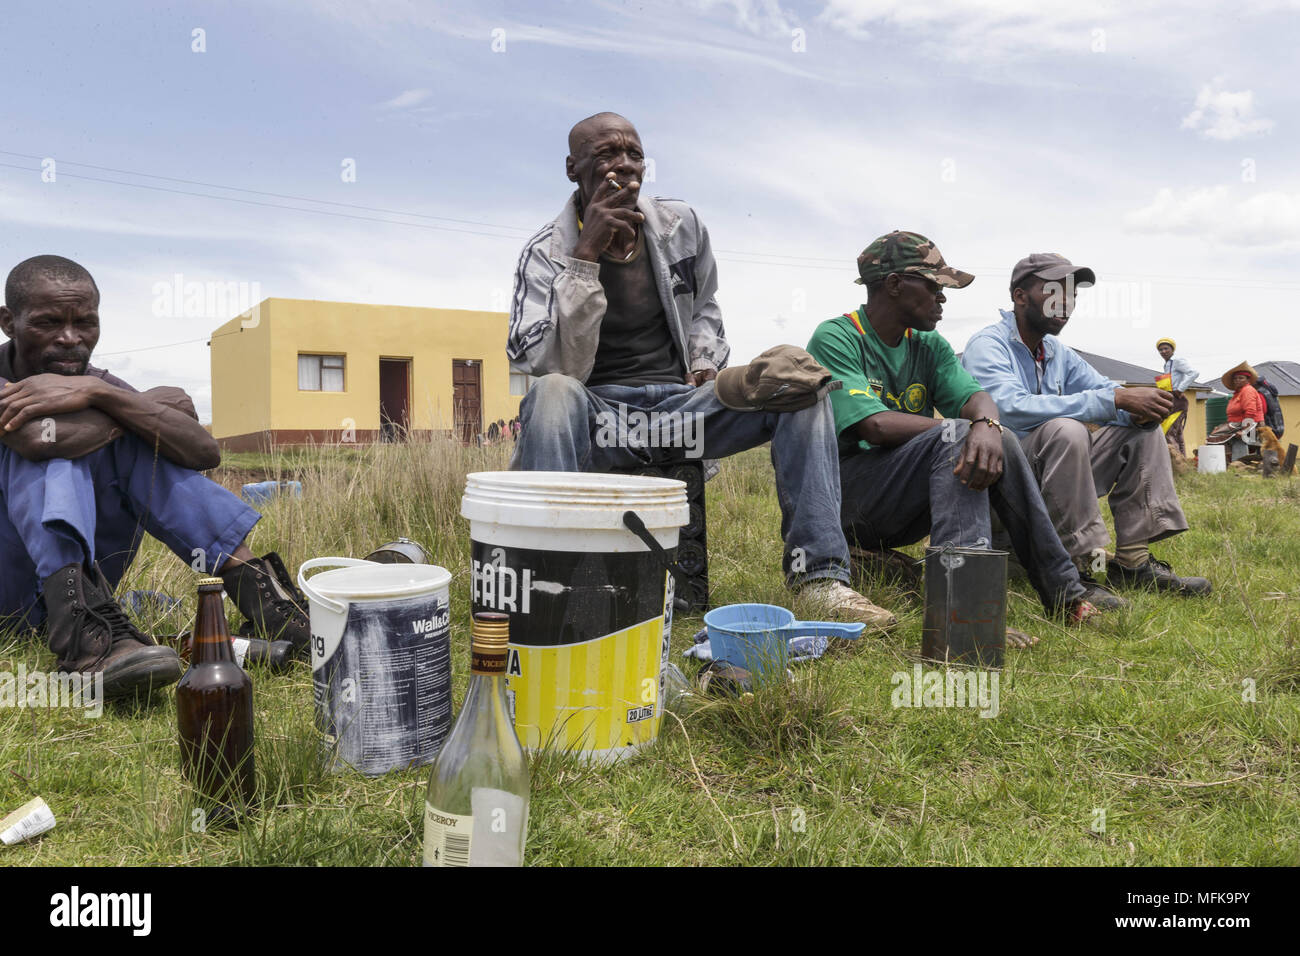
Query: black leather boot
[(266, 596), (1155, 575), (89, 632)]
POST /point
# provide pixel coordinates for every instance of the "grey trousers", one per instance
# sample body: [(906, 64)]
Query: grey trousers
[(897, 496), (1129, 466)]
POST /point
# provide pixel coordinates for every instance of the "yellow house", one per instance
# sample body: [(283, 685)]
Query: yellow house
[(298, 371)]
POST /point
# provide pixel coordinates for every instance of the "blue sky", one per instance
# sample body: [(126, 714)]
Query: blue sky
[(1153, 142)]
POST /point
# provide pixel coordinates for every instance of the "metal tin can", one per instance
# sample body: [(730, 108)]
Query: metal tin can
[(401, 551)]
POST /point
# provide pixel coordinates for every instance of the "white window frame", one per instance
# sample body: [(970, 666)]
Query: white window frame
[(317, 364)]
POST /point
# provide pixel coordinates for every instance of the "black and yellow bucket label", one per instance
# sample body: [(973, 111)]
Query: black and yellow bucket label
[(588, 643)]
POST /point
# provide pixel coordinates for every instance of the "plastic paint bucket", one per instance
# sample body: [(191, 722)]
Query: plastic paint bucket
[(965, 606), (757, 636), (1211, 459), (590, 605), (380, 661)]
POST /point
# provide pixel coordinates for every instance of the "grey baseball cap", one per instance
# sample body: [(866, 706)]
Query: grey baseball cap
[(1051, 265)]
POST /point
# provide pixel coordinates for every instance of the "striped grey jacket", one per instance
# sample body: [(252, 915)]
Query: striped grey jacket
[(558, 302)]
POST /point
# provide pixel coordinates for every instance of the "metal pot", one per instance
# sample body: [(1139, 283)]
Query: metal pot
[(401, 551)]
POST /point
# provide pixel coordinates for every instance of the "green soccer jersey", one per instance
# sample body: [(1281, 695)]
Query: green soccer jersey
[(917, 376)]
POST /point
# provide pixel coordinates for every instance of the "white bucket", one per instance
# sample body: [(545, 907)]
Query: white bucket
[(590, 605), (1211, 459), (380, 661)]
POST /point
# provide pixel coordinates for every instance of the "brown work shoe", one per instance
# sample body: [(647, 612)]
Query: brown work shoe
[(267, 597), (90, 633), (840, 602)]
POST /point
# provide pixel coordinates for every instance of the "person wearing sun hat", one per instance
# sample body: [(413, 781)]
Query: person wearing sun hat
[(1246, 402), (1181, 377), (904, 473), (1086, 436)]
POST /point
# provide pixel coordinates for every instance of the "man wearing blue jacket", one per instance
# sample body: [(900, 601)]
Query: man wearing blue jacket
[(1086, 436)]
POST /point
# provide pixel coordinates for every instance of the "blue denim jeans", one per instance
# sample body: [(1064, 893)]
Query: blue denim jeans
[(96, 508), (569, 427), (897, 496)]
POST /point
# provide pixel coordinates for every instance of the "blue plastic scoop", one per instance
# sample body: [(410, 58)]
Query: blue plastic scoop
[(757, 636)]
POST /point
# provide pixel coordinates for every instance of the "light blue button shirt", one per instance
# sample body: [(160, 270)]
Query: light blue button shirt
[(1071, 388)]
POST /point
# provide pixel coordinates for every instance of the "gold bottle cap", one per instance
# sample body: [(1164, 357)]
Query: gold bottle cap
[(490, 631), (210, 582)]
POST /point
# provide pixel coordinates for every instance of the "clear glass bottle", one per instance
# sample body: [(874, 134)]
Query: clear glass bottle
[(476, 807)]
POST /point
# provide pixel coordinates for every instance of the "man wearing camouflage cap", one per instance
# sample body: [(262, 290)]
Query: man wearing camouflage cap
[(906, 474), (1085, 435), (614, 316)]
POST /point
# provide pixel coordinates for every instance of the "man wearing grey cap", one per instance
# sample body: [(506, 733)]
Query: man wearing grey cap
[(1086, 436)]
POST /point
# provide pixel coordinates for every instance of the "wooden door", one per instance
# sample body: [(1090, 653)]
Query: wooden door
[(394, 399), (467, 399)]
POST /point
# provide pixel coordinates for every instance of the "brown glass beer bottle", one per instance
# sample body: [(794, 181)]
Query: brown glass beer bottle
[(214, 710)]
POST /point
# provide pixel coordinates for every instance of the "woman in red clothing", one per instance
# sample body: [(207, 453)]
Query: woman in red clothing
[(1246, 404)]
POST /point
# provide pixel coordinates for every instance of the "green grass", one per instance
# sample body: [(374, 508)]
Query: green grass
[(1142, 717)]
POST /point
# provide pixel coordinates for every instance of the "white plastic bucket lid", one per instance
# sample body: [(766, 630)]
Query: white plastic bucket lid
[(380, 581), (564, 499)]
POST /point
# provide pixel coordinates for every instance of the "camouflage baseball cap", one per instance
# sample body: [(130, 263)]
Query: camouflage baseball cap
[(908, 252)]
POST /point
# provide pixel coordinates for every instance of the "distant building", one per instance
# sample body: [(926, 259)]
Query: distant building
[(297, 371)]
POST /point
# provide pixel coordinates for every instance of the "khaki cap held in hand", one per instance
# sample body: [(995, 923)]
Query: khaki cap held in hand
[(785, 378)]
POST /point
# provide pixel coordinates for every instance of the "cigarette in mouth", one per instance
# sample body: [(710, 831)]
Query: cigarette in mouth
[(614, 183)]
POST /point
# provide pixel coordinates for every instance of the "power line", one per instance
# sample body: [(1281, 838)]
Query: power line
[(270, 205), (169, 345), (257, 192), (150, 348), (743, 257)]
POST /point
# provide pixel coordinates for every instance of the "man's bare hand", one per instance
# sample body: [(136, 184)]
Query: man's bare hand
[(699, 378), (610, 219), (981, 459), (1144, 404), (39, 396)]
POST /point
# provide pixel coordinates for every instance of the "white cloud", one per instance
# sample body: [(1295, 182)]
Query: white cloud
[(1223, 115), (406, 99), (976, 29), (986, 31), (652, 31), (1217, 215), (761, 17)]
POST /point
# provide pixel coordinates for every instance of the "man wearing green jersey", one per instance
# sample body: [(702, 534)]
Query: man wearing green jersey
[(905, 474)]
